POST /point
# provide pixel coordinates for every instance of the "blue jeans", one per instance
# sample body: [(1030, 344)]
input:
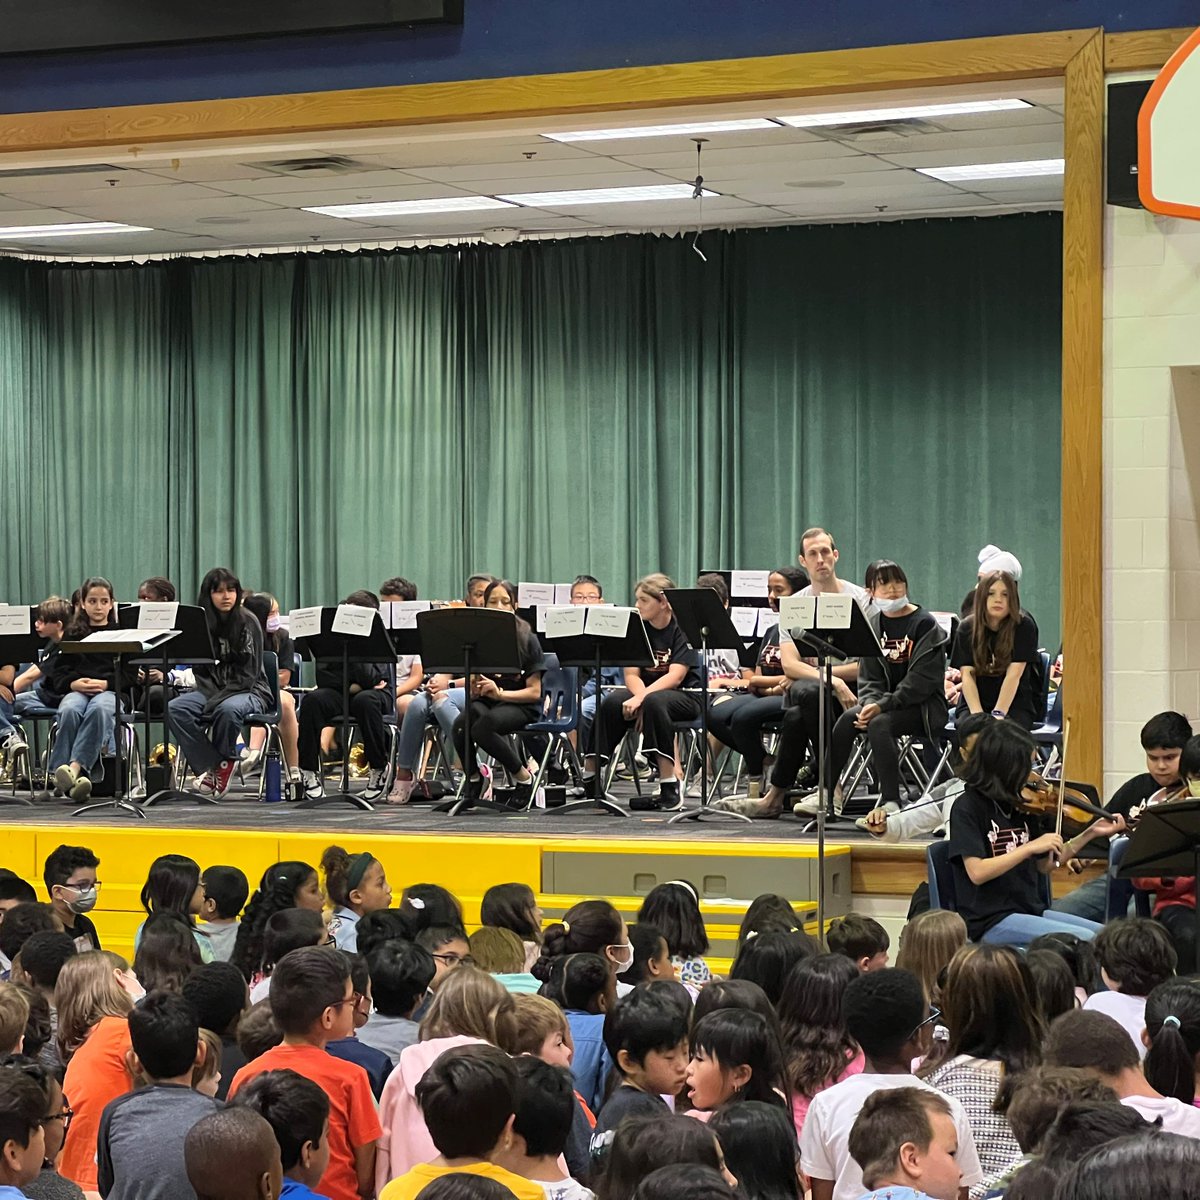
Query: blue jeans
[(6, 721), (416, 717), (1089, 900), (209, 737), (85, 727), (1019, 929)]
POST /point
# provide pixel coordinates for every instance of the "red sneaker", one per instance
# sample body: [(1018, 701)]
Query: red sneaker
[(215, 783)]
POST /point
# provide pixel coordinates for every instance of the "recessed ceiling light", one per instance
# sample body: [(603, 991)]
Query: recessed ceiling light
[(649, 131), (815, 183), (69, 229), (864, 116), (665, 191), (1003, 170), (408, 208)]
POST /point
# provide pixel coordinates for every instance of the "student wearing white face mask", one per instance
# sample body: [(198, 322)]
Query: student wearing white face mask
[(900, 693)]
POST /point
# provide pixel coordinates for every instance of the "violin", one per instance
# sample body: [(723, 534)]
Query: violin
[(1040, 798)]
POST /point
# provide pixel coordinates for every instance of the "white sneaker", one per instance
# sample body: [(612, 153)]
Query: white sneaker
[(251, 762), (374, 788), (14, 744), (313, 784), (810, 806)]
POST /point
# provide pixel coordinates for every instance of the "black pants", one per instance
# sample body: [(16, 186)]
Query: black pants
[(660, 713), (738, 722), (800, 729), (492, 721), (367, 709), (1180, 922), (882, 732)]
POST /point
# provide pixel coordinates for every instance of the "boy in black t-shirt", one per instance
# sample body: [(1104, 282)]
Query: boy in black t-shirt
[(70, 878), (998, 853), (1163, 738)]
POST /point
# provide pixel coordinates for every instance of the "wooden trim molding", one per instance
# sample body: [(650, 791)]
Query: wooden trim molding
[(1146, 50), (821, 73), (1082, 409)]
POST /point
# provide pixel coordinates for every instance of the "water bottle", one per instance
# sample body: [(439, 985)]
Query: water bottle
[(273, 771)]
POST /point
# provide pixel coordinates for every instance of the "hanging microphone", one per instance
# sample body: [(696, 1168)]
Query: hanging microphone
[(698, 188)]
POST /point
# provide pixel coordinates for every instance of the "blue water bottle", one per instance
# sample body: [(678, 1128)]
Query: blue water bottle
[(273, 772)]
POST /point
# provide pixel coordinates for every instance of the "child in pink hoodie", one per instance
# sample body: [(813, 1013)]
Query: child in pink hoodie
[(470, 1008)]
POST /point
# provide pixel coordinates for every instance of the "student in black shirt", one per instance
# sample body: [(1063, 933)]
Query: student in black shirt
[(901, 693), (998, 853), (996, 650), (652, 697), (1163, 738), (503, 704), (370, 699)]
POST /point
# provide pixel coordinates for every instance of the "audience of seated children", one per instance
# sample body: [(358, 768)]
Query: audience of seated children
[(1097, 1043), (927, 944), (225, 892), (888, 1016), (139, 1147), (861, 939), (298, 1112), (586, 989), (376, 1063), (905, 1142), (22, 1135), (283, 885), (642, 1143), (1053, 984), (42, 959), (167, 952), (286, 930), (469, 1008), (674, 909), (500, 953), (514, 906), (646, 1035), (541, 1128), (768, 958), (1172, 1038), (1135, 957), (73, 888), (312, 1000), (233, 1155), (735, 1056), (173, 885), (356, 884), (49, 1184), (401, 973), (818, 1050), (589, 927), (217, 992), (468, 1100)]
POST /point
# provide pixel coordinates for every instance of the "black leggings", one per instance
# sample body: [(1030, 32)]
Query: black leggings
[(660, 713), (492, 723), (882, 732), (799, 731), (367, 709), (738, 722)]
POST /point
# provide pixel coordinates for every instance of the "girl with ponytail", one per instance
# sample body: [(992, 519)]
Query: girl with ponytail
[(1172, 1038), (284, 885)]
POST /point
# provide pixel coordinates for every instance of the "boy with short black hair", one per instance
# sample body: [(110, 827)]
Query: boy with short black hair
[(298, 1111), (73, 887), (22, 1138), (861, 939), (312, 1000), (233, 1155), (219, 994), (13, 891), (887, 1014), (400, 976), (41, 962), (20, 924), (646, 1035), (1135, 957), (545, 1112), (351, 1049), (225, 892), (468, 1100), (904, 1140), (139, 1149)]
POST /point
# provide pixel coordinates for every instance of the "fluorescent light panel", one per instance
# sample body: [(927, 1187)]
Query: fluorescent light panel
[(409, 208), (665, 191), (868, 116), (69, 229), (1004, 170), (650, 131)]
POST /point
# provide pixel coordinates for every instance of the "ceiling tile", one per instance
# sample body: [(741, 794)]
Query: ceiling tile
[(979, 154), (713, 159)]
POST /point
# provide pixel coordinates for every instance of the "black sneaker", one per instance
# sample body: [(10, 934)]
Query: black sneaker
[(666, 799)]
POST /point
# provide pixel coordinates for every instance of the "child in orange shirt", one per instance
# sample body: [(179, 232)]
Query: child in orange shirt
[(313, 1002)]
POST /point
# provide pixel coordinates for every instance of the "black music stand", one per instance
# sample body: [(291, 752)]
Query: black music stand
[(17, 648), (191, 648), (831, 645), (123, 644), (1165, 842), (479, 641), (706, 625), (594, 652), (345, 648)]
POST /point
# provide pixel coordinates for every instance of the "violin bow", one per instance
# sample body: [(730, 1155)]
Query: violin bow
[(1062, 778)]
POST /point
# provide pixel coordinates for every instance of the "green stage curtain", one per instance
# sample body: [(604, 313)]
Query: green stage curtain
[(610, 405)]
